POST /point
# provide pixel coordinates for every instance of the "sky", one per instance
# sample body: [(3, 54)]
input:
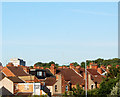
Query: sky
[(60, 32)]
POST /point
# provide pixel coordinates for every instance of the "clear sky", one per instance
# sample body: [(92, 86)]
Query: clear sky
[(60, 32)]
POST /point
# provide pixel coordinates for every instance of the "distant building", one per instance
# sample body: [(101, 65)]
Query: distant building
[(17, 61)]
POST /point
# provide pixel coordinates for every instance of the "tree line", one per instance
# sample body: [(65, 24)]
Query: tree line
[(99, 62)]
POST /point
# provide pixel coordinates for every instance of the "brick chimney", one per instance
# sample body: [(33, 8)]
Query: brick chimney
[(53, 69), (99, 70), (9, 64), (64, 67), (72, 66), (93, 66)]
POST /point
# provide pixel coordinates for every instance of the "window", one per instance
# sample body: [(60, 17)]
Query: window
[(39, 73), (43, 73), (26, 87), (55, 88), (83, 87), (66, 88), (91, 86)]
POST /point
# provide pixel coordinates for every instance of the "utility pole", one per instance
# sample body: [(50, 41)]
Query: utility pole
[(86, 79)]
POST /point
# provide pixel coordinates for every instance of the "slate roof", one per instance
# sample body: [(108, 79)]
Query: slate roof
[(5, 92), (50, 81), (16, 80), (1, 76), (17, 71)]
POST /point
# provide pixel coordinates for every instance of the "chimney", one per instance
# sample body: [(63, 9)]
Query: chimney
[(99, 70), (9, 64), (53, 69), (64, 67), (72, 66), (77, 69)]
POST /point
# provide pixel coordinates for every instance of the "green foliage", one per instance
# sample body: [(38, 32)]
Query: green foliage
[(110, 81), (83, 64), (116, 90), (99, 61), (46, 65), (78, 91), (113, 72), (93, 92), (75, 64)]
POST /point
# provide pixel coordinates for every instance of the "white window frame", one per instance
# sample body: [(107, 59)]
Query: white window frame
[(39, 73)]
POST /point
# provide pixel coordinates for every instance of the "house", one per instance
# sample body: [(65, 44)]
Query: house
[(66, 79), (11, 70), (94, 78), (41, 73), (11, 83), (30, 84)]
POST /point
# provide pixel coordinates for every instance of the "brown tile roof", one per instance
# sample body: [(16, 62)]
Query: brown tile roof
[(76, 80), (17, 71), (70, 75), (50, 81), (15, 79), (93, 71), (98, 79), (95, 75)]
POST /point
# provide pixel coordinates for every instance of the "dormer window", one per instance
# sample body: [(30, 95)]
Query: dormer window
[(39, 73)]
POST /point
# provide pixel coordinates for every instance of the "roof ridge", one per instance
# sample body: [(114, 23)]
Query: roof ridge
[(77, 72)]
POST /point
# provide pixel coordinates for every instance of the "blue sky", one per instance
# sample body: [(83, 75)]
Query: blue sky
[(60, 32)]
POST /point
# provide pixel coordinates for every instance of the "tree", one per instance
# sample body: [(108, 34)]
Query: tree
[(75, 64), (78, 91), (83, 64), (116, 90)]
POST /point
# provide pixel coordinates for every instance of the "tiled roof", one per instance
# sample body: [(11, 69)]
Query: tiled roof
[(50, 81), (76, 80), (15, 79), (1, 76), (95, 75), (70, 75), (93, 71), (17, 71), (5, 92)]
